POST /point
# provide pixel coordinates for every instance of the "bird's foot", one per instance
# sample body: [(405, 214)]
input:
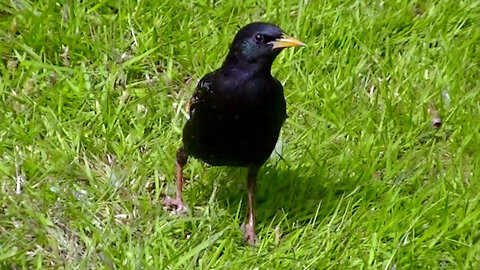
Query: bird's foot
[(249, 234), (175, 205)]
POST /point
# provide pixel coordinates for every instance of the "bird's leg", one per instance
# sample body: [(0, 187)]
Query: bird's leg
[(249, 234), (177, 204)]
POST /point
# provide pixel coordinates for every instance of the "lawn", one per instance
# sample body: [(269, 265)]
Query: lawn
[(94, 96)]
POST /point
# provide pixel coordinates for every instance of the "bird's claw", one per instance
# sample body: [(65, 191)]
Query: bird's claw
[(175, 205), (249, 234)]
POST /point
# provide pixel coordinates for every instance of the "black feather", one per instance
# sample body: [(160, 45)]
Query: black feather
[(236, 112)]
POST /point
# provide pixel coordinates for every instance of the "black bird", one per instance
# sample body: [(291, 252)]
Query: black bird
[(236, 112)]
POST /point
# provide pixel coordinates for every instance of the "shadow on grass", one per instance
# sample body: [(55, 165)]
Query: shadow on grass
[(296, 193)]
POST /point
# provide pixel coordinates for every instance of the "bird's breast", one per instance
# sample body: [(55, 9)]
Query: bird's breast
[(237, 124)]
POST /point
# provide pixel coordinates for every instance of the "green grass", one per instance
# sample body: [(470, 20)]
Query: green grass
[(94, 98)]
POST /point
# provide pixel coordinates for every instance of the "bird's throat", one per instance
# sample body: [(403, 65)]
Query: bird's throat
[(251, 65)]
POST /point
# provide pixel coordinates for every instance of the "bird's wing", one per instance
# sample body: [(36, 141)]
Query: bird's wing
[(202, 92)]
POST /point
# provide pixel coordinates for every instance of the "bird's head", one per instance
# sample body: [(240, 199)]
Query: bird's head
[(259, 43)]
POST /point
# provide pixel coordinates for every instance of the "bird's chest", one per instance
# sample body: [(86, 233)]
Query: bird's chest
[(236, 127), (247, 111)]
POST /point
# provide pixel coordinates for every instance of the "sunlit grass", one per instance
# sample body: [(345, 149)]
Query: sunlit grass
[(94, 99)]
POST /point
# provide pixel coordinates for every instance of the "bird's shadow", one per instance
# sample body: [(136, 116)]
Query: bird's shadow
[(300, 193)]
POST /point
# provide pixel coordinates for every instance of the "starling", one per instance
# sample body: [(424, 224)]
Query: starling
[(236, 112)]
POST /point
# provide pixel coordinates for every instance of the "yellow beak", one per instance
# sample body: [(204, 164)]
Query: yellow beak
[(285, 41)]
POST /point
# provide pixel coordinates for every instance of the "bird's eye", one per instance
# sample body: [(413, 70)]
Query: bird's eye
[(259, 38)]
